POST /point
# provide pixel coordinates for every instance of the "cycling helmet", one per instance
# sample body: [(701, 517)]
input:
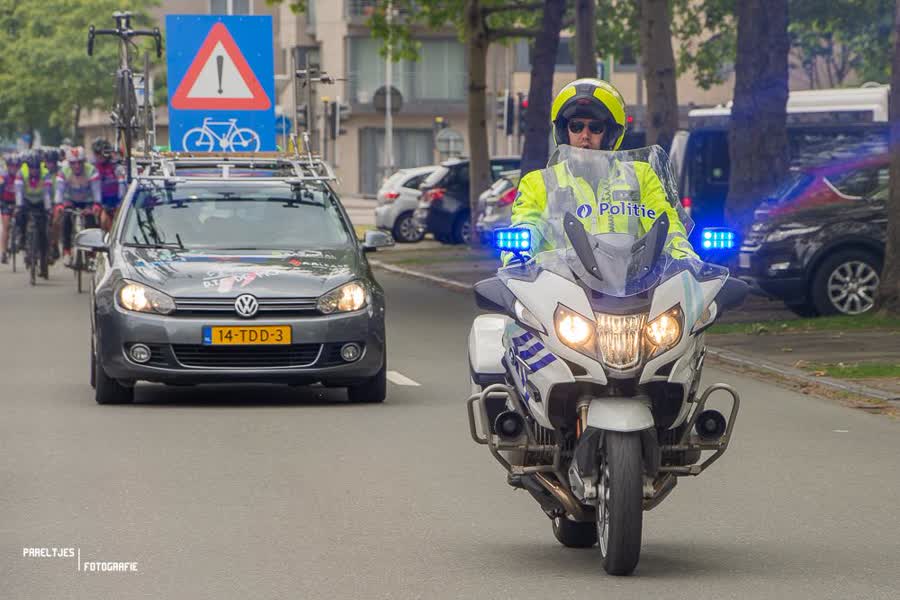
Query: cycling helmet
[(33, 160), (592, 99), (51, 155), (102, 148), (75, 154)]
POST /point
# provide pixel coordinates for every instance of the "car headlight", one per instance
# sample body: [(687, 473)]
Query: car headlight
[(572, 328), (783, 234), (140, 298), (349, 297), (664, 331)]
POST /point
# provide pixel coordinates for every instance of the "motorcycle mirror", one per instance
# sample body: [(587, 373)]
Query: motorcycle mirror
[(732, 294), (492, 295)]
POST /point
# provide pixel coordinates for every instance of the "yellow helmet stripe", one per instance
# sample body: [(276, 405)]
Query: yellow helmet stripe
[(612, 103), (561, 98)]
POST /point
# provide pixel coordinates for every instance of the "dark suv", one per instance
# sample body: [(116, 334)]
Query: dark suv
[(444, 204), (819, 245)]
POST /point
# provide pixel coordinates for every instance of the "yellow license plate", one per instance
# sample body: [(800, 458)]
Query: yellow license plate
[(246, 336)]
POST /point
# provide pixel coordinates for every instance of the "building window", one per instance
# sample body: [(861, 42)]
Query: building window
[(565, 62), (626, 60), (438, 75), (230, 7), (359, 8)]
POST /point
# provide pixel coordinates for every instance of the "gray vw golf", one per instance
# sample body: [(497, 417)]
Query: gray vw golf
[(222, 270)]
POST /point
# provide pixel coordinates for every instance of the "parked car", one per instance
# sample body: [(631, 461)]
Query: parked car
[(397, 200), (819, 246), (495, 205), (444, 204)]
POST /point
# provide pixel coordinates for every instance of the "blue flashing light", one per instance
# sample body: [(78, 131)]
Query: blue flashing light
[(512, 239), (718, 238)]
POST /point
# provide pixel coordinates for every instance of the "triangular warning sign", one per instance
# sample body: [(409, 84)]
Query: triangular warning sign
[(219, 78)]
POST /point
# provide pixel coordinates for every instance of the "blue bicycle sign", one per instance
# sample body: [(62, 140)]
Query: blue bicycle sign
[(224, 136)]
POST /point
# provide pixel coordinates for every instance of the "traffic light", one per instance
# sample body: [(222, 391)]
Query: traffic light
[(523, 110), (338, 113), (302, 124), (505, 113)]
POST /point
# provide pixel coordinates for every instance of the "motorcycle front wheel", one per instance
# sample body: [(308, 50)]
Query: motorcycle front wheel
[(620, 505)]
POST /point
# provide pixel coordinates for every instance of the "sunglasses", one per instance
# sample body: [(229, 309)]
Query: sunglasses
[(595, 127)]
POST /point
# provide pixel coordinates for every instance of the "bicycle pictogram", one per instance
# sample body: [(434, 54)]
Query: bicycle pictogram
[(208, 137)]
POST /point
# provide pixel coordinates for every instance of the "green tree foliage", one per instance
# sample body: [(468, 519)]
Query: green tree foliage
[(836, 38), (46, 74)]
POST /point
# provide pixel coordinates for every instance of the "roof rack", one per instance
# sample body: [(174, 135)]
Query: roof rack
[(291, 168)]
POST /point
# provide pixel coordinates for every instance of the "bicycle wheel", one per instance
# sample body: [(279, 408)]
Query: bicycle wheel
[(13, 232), (244, 140), (31, 251), (79, 264), (197, 140)]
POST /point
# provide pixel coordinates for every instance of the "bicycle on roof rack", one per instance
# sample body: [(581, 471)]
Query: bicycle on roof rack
[(125, 113)]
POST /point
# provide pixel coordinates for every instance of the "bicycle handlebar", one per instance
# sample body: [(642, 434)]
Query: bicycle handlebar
[(125, 34)]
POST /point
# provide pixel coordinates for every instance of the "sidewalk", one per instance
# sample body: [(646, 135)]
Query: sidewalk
[(856, 355)]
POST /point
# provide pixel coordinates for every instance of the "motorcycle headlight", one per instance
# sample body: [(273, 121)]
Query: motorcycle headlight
[(349, 297), (619, 339), (140, 298), (664, 331), (572, 328)]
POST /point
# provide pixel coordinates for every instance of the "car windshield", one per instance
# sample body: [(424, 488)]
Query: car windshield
[(239, 217)]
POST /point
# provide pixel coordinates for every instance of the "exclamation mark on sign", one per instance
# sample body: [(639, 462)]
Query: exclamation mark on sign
[(220, 62)]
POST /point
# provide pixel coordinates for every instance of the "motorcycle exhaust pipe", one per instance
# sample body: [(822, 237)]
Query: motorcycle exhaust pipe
[(710, 425), (564, 497), (509, 425)]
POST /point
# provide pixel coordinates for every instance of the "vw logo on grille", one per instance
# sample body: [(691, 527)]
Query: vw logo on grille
[(246, 305)]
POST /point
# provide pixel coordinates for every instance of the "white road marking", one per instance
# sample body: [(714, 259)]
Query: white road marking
[(400, 379), (840, 430)]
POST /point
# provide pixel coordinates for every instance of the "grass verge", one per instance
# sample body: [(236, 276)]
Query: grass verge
[(840, 323), (852, 370)]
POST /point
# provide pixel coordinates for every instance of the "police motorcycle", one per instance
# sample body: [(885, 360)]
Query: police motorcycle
[(585, 376)]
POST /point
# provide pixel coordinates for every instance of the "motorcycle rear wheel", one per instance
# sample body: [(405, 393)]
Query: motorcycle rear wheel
[(620, 507), (573, 534)]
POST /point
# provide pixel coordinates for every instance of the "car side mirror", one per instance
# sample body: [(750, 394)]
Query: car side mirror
[(93, 239), (491, 294), (732, 294), (377, 239)]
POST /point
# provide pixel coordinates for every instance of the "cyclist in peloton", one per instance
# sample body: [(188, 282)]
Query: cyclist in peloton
[(112, 181), (77, 187), (33, 189), (8, 200)]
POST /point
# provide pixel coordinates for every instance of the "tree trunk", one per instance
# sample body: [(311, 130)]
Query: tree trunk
[(585, 38), (540, 92), (479, 160), (658, 64), (758, 146), (888, 300)]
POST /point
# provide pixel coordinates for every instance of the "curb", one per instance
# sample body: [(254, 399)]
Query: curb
[(725, 356), (743, 360)]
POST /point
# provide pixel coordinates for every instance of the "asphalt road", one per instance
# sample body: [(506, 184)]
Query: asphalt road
[(270, 492)]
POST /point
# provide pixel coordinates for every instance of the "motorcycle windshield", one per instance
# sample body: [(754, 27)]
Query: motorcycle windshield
[(611, 219)]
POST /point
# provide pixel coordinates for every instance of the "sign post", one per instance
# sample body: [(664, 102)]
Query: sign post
[(221, 69)]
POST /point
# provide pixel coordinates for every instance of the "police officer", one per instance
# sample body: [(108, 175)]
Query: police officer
[(589, 114)]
